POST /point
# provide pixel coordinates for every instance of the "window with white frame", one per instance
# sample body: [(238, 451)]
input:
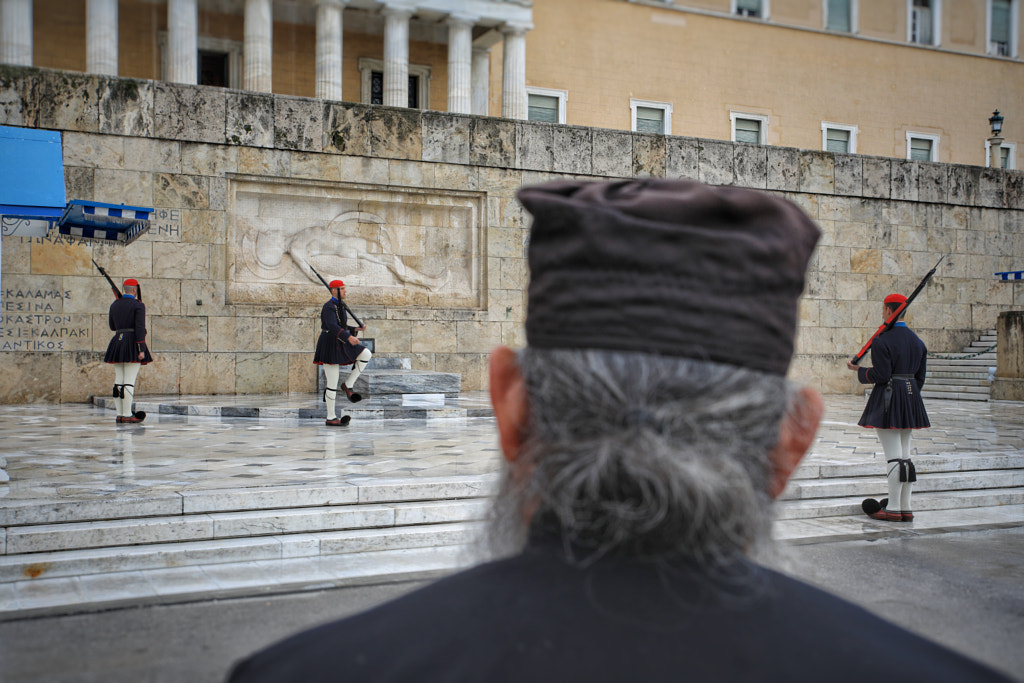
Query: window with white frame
[(922, 147), (923, 21), (371, 83), (751, 8), (218, 61), (1002, 27), (1007, 155), (651, 117), (841, 15), (751, 128), (838, 137), (546, 104)]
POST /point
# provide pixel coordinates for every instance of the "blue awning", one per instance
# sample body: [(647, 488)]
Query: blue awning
[(32, 198)]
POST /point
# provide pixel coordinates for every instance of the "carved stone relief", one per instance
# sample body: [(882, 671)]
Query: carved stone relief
[(392, 246)]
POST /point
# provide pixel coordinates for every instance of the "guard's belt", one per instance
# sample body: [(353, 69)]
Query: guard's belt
[(127, 329)]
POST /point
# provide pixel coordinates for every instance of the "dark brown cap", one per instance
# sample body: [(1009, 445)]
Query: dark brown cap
[(671, 267)]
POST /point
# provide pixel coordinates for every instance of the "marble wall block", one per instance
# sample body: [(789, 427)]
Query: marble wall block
[(290, 334), (447, 137), (751, 166), (612, 154), (785, 169), (298, 124), (515, 274), (681, 157), (901, 213), (506, 305), (250, 119), (963, 184), (493, 143), (261, 373), (181, 260), (208, 160), (61, 259), (716, 162), (877, 177), (817, 172), (29, 377), (207, 373), (911, 237), (145, 154), (134, 188), (501, 182), (65, 100), (17, 255), (477, 337), (323, 167), (849, 175), (162, 296), (535, 146), (394, 133), (346, 130), (648, 155), (1014, 189), (932, 182), (15, 92), (991, 190), (456, 177), (218, 194), (573, 149), (126, 107), (513, 335), (471, 367), (851, 287), (83, 374), (393, 336), (302, 373), (241, 333), (162, 376), (865, 261), (433, 336), (135, 260), (92, 150), (267, 162), (903, 180), (506, 242), (203, 227), (176, 190), (79, 183), (86, 294), (365, 170), (177, 333), (190, 113), (410, 173)]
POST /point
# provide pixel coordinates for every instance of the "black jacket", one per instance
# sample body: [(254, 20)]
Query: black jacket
[(895, 352), (127, 318)]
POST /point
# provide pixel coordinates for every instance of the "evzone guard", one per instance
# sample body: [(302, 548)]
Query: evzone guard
[(895, 407), (338, 345), (127, 350)]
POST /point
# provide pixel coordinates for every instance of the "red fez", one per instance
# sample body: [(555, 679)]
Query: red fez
[(130, 282), (336, 283), (895, 299)]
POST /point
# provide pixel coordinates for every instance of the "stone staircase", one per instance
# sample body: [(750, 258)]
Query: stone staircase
[(964, 379), (187, 545)]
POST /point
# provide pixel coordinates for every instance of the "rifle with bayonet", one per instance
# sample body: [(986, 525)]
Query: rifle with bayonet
[(117, 292), (341, 302), (891, 320)]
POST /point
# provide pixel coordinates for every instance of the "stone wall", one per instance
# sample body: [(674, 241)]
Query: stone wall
[(416, 210)]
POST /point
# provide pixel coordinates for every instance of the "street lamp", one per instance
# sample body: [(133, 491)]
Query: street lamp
[(995, 143)]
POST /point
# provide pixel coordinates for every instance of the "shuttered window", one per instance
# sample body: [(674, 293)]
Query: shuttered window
[(920, 149), (650, 120), (748, 130), (838, 13), (999, 30), (921, 22), (1004, 157), (543, 108), (837, 140), (749, 8)]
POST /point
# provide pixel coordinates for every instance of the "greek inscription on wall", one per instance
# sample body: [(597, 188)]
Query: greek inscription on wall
[(164, 226), (33, 320), (391, 246)]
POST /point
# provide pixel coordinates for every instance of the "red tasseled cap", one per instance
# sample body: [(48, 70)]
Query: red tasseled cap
[(895, 299), (336, 283), (131, 282)]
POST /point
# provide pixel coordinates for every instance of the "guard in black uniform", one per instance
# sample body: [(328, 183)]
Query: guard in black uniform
[(127, 350), (338, 345), (895, 408)]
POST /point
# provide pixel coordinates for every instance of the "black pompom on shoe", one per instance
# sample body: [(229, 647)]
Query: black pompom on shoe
[(352, 396), (339, 421), (870, 506)]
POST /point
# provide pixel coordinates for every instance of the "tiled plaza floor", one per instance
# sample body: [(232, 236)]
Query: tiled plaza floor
[(76, 451)]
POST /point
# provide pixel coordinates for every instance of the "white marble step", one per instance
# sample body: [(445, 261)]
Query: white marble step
[(927, 464), (954, 395), (81, 562), (920, 500), (210, 526), (957, 386), (952, 483), (985, 360)]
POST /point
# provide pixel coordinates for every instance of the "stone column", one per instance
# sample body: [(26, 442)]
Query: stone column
[(16, 32), (396, 56), (101, 37), (328, 48), (182, 41), (1009, 382), (513, 83), (460, 57), (258, 50), (481, 82)]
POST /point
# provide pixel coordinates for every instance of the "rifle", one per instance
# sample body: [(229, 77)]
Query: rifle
[(340, 301), (891, 320), (117, 292)]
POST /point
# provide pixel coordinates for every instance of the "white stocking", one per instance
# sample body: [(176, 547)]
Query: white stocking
[(357, 367), (131, 372), (331, 373), (118, 383), (896, 446)]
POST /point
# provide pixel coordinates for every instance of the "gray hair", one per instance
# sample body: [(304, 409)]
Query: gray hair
[(643, 455)]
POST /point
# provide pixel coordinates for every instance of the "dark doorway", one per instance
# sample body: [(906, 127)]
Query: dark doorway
[(213, 68)]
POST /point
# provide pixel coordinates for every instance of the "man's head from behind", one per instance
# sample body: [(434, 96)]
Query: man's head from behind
[(648, 414)]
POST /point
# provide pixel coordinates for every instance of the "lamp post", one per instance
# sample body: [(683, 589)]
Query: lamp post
[(995, 143)]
